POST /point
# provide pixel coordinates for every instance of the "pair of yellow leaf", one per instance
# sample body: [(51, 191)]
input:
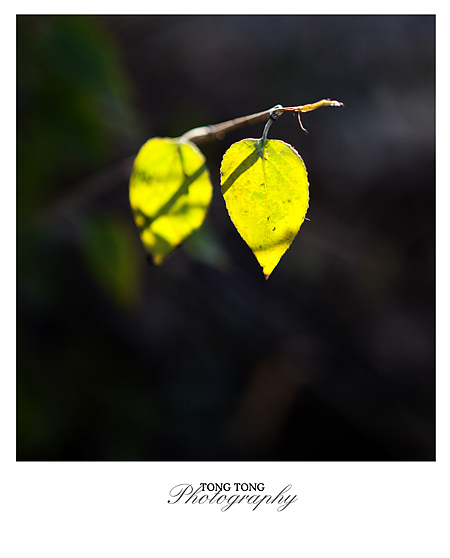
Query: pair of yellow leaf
[(264, 184)]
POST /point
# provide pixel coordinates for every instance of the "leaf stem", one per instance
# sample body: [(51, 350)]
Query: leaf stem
[(274, 114)]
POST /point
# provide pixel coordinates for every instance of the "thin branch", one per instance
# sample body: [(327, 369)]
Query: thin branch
[(218, 131)]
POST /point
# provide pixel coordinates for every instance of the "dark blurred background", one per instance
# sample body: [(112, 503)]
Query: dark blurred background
[(201, 359)]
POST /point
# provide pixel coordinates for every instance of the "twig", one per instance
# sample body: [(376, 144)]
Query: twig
[(218, 131)]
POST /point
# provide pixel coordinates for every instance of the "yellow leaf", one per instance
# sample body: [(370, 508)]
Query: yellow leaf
[(170, 192), (265, 186)]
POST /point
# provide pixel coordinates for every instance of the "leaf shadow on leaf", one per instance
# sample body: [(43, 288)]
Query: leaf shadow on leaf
[(246, 164), (287, 239), (164, 209)]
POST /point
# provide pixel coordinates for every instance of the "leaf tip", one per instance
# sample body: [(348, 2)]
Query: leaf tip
[(267, 275)]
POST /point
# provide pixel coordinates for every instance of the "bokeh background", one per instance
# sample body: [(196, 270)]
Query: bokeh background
[(333, 358)]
